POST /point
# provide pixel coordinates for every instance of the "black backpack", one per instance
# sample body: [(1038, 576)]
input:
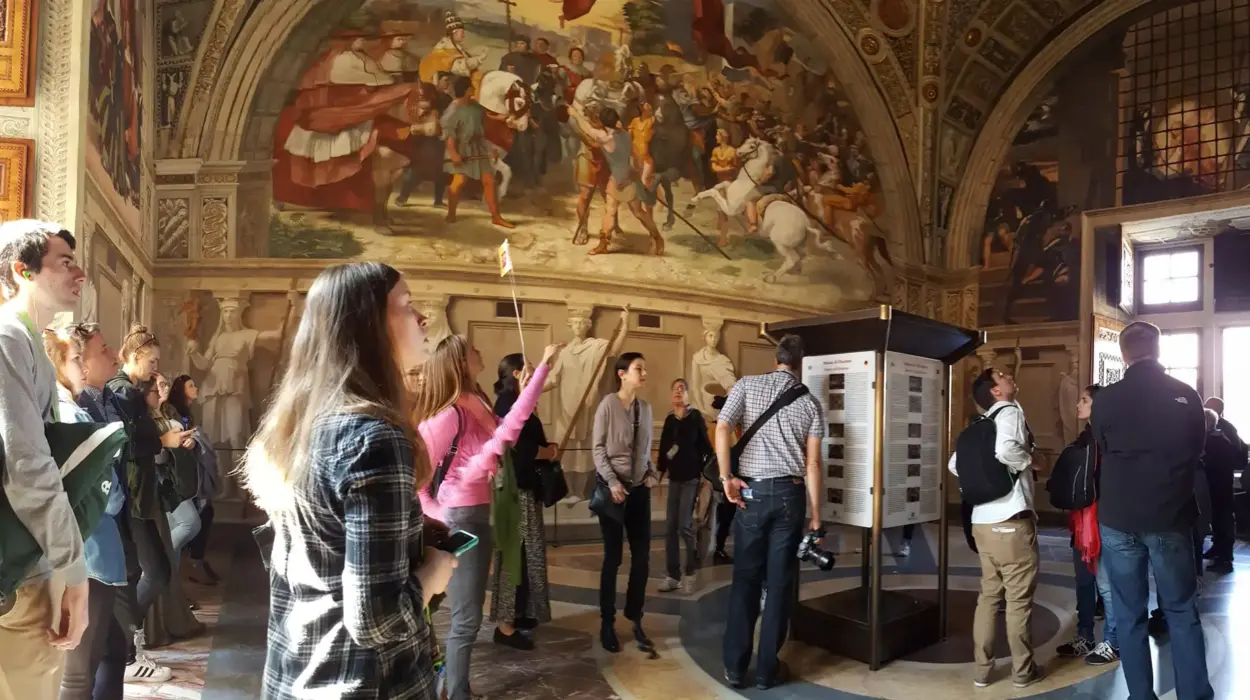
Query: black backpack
[(982, 478), (1072, 485)]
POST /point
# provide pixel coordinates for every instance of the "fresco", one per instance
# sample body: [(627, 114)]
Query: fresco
[(684, 145), (115, 101), (1030, 245)]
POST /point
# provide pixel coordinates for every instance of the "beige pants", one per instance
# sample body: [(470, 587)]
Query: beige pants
[(1009, 561), (30, 668)]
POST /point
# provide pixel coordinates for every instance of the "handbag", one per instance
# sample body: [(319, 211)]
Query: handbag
[(711, 468), (552, 486), (601, 502), (440, 473)]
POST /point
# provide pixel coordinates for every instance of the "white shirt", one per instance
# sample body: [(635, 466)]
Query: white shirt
[(1011, 447)]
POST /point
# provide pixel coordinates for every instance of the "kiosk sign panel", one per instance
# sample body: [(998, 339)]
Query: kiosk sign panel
[(914, 402), (843, 385)]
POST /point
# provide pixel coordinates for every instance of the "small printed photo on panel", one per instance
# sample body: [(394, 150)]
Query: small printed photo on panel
[(834, 495), (837, 401), (913, 495), (913, 470), (837, 382), (836, 471), (915, 404), (836, 452), (837, 430), (913, 431), (915, 384), (913, 452)]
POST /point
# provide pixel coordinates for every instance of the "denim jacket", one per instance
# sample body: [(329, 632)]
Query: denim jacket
[(106, 559)]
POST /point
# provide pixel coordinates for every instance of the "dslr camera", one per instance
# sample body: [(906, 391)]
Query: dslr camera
[(812, 553)]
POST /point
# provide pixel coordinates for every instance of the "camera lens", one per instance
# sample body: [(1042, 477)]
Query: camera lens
[(822, 558)]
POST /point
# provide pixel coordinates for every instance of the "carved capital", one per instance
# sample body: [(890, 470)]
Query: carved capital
[(987, 358)]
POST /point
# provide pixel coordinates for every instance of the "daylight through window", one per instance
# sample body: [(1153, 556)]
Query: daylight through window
[(1171, 278), (1179, 353)]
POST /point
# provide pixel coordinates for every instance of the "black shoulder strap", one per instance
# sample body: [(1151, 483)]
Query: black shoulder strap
[(455, 443), (633, 446), (994, 414), (786, 398)]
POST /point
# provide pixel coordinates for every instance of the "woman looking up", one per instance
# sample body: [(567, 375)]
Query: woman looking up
[(336, 465), (453, 409)]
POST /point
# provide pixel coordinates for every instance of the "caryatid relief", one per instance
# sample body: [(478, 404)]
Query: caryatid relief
[(580, 366), (711, 372), (225, 391)]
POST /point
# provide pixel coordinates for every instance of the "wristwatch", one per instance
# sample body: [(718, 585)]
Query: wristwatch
[(725, 479)]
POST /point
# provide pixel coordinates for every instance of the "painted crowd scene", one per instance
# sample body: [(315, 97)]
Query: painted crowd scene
[(697, 144)]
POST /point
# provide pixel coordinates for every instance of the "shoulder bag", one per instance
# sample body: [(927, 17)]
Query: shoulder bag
[(440, 473), (711, 468), (601, 502)]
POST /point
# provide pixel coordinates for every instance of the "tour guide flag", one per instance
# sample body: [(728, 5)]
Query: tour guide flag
[(85, 453), (505, 259)]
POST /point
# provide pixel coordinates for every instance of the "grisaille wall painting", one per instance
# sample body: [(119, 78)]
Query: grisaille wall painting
[(428, 131), (115, 102)]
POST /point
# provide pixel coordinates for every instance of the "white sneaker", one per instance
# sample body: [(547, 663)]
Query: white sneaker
[(905, 550), (670, 584), (145, 670)]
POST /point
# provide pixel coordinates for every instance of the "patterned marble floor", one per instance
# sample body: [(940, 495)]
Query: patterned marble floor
[(687, 630)]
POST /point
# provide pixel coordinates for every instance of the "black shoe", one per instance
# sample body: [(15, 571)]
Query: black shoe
[(516, 640), (608, 638), (719, 557), (525, 623), (1209, 554), (783, 675), (1100, 610), (734, 679), (644, 642), (1220, 566)]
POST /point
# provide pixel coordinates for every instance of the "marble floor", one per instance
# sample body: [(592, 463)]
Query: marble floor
[(226, 663)]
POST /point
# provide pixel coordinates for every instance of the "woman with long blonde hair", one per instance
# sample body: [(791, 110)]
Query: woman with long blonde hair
[(453, 409), (336, 464)]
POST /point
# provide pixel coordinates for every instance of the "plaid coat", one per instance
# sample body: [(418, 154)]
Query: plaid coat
[(345, 613)]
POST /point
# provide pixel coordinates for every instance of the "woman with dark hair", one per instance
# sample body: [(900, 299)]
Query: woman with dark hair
[(336, 464), (182, 393), (1092, 584), (524, 604), (621, 439)]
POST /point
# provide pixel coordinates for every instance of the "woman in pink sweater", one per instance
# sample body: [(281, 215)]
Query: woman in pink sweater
[(450, 403)]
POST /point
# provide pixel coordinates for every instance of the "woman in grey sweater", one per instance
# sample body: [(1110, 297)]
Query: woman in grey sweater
[(622, 452)]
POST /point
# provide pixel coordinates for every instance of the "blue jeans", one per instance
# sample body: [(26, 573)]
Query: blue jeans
[(766, 543), (1128, 558), (1088, 588)]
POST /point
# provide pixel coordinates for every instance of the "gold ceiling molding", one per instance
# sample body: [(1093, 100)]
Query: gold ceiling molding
[(18, 33)]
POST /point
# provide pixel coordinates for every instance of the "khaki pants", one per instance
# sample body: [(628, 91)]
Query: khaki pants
[(30, 668), (1009, 561)]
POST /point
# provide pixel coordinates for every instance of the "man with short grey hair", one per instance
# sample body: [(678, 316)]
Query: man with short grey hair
[(1151, 431)]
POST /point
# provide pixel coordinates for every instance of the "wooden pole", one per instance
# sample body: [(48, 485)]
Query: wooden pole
[(592, 384)]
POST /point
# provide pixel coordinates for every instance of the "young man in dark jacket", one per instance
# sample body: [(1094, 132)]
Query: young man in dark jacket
[(1151, 431), (1228, 455)]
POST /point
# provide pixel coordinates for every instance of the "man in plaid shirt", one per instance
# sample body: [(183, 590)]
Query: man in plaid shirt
[(777, 486)]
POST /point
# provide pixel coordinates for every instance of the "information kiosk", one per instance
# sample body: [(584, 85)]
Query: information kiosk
[(883, 378)]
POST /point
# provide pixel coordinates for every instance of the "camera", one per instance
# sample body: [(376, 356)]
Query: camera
[(812, 553)]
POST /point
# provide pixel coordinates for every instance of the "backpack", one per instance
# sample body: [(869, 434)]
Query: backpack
[(982, 478), (1072, 485)]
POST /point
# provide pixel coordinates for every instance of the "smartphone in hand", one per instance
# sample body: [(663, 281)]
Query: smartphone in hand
[(458, 542)]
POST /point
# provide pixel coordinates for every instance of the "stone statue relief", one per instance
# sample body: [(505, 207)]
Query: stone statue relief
[(437, 326), (225, 391), (711, 372), (1068, 392), (576, 369)]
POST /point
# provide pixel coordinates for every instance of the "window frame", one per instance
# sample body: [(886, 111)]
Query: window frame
[(1191, 330), (1139, 284)]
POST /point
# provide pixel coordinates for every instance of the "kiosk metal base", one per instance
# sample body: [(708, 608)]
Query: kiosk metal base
[(839, 623)]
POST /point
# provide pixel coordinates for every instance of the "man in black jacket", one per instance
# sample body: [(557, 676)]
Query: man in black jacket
[(1151, 430), (1225, 454)]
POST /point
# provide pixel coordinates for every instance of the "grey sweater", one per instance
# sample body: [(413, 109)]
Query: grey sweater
[(31, 478), (613, 430)]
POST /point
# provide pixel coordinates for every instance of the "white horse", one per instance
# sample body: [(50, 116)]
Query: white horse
[(732, 197), (788, 227)]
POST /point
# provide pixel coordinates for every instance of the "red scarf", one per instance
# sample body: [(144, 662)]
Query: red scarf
[(1084, 526)]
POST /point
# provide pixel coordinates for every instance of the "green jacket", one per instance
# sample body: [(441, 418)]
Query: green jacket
[(85, 453), (506, 518)]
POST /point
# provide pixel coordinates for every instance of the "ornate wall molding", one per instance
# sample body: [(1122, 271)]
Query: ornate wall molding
[(1009, 112), (204, 74), (215, 236), (17, 158), (60, 93), (18, 38)]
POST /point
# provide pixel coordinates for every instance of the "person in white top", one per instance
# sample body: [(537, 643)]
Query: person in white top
[(1005, 531)]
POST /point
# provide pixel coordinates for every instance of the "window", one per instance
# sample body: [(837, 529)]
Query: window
[(1179, 353), (1236, 378), (1172, 278)]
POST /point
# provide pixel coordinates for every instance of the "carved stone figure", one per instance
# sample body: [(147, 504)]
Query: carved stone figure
[(1068, 393), (575, 369), (435, 311), (214, 227), (711, 372), (225, 391), (173, 224)]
